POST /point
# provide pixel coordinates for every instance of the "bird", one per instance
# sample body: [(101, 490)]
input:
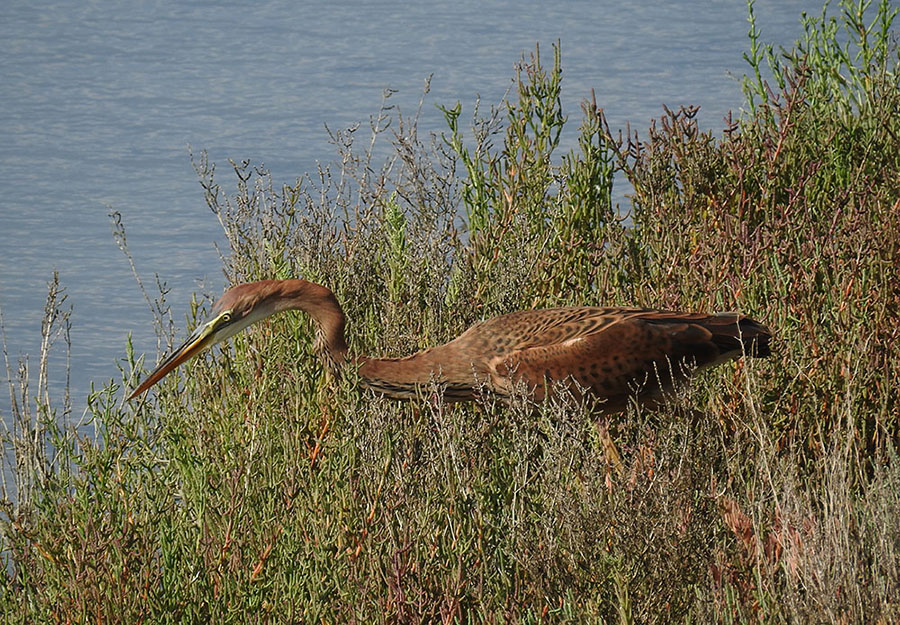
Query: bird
[(610, 354)]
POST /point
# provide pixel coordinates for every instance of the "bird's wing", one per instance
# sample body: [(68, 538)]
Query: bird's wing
[(615, 352), (536, 328)]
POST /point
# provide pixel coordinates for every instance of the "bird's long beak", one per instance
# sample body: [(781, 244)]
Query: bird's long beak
[(201, 338)]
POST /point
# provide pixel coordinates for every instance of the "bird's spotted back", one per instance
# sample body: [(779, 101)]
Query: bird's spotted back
[(534, 328)]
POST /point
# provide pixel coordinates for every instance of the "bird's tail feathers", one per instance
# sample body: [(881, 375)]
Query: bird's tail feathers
[(739, 333)]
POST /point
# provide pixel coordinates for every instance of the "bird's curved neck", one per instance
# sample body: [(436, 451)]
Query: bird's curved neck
[(320, 304), (394, 377)]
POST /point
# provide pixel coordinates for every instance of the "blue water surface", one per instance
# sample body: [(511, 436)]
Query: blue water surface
[(99, 102)]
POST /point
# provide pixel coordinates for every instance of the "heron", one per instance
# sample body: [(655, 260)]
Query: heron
[(613, 355)]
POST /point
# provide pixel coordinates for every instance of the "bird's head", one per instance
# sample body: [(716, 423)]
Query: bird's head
[(240, 307)]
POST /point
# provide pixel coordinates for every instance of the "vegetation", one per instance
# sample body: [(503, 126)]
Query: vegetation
[(249, 490)]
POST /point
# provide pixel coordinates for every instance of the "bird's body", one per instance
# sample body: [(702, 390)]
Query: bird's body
[(611, 354)]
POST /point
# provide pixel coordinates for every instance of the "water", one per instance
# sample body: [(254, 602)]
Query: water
[(99, 101)]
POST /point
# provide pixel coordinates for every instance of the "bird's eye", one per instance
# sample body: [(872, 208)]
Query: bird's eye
[(224, 318)]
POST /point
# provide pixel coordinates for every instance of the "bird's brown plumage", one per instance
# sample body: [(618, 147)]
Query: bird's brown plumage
[(611, 354)]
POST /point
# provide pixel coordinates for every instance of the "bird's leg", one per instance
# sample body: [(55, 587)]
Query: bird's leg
[(613, 458)]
